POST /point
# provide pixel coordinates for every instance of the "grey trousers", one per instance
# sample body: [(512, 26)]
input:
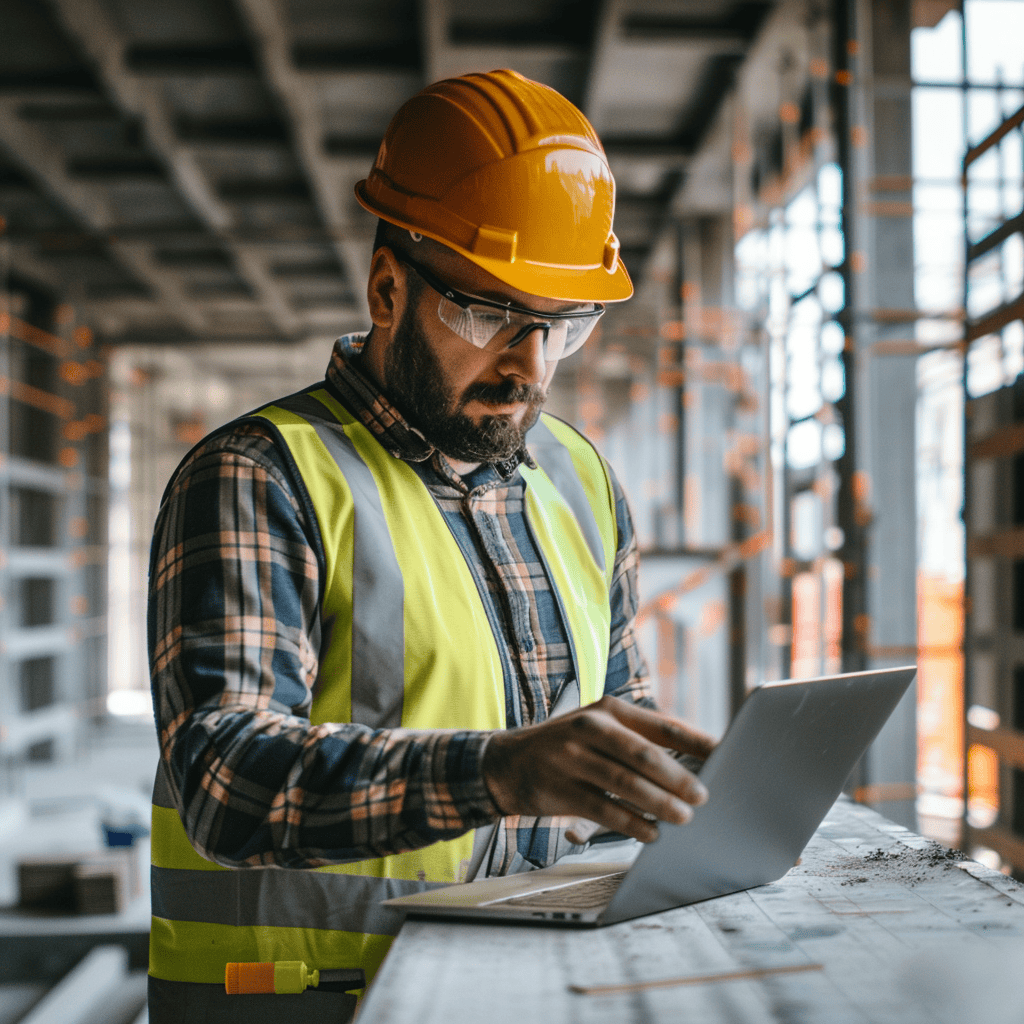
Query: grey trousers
[(180, 1002)]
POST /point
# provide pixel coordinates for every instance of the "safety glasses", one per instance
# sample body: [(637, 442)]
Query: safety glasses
[(496, 326)]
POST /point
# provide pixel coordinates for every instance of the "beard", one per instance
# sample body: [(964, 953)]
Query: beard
[(416, 385)]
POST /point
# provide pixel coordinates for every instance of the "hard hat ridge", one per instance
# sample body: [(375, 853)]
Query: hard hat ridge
[(510, 174)]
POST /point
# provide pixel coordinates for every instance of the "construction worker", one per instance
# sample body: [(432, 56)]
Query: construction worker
[(392, 616)]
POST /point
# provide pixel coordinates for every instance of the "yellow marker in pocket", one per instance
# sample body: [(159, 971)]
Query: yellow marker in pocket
[(286, 977)]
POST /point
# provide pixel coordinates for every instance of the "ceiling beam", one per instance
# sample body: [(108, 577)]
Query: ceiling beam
[(88, 24), (711, 41), (44, 163), (159, 336), (731, 34), (609, 17), (265, 22), (434, 39), (189, 60), (391, 56), (663, 152), (22, 257)]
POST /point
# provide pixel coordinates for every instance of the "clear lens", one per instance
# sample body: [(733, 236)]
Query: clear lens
[(481, 325)]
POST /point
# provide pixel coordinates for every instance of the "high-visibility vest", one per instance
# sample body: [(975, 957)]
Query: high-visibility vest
[(409, 645)]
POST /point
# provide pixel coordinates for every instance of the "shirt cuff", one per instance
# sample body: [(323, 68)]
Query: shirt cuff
[(457, 797)]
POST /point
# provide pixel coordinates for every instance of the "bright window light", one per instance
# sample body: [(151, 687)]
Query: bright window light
[(833, 442), (982, 717), (130, 703), (832, 292), (833, 338), (803, 445)]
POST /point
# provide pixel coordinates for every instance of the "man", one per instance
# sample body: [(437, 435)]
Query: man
[(392, 617)]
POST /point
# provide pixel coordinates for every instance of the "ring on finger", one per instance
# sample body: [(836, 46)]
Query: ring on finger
[(615, 798)]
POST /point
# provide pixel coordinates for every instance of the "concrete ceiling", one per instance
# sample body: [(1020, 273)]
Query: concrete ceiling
[(183, 169)]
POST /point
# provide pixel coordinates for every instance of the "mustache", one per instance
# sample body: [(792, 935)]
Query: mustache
[(504, 394)]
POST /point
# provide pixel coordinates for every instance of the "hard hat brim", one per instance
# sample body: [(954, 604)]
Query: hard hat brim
[(562, 284)]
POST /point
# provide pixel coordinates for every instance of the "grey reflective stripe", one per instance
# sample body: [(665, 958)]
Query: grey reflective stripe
[(163, 794), (281, 898), (555, 459), (378, 590)]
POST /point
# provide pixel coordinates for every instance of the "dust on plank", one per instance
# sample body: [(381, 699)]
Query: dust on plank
[(904, 864)]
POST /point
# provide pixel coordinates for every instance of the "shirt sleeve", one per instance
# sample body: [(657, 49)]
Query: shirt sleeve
[(234, 637), (628, 677)]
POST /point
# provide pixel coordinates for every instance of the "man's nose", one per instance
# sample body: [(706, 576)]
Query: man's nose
[(525, 359)]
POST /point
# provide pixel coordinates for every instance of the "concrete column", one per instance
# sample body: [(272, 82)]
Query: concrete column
[(884, 388)]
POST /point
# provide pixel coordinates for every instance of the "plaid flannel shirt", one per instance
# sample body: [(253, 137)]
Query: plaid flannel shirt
[(235, 638)]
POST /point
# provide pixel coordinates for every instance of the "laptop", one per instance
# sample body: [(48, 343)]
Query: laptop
[(773, 777)]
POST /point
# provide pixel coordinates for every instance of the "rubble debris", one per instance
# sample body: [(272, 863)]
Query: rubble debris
[(899, 863)]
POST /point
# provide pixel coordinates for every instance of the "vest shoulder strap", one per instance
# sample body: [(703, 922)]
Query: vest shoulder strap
[(579, 474)]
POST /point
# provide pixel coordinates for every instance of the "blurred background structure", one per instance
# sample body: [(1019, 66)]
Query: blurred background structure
[(821, 203)]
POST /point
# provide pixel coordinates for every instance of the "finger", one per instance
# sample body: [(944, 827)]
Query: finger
[(624, 784), (581, 831), (665, 730), (615, 816), (623, 748), (690, 762)]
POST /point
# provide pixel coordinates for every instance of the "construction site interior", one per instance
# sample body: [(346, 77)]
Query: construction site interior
[(814, 399)]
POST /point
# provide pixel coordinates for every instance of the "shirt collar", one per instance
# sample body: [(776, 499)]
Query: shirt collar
[(363, 398)]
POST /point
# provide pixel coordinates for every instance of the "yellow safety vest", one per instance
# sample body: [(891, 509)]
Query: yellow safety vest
[(410, 646)]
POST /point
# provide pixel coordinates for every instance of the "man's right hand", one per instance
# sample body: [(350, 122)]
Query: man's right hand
[(606, 762)]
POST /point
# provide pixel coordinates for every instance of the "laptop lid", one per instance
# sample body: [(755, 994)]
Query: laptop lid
[(772, 779)]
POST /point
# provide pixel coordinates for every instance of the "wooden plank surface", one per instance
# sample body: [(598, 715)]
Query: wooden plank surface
[(889, 916)]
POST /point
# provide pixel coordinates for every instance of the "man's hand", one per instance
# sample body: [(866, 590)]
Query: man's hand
[(570, 764)]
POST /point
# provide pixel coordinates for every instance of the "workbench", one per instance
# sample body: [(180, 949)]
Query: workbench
[(875, 923)]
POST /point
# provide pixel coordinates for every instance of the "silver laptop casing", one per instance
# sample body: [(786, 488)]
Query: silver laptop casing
[(774, 776)]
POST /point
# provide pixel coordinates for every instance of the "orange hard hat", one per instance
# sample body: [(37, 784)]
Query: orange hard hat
[(511, 175)]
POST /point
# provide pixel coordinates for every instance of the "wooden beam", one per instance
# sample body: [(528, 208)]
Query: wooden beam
[(1000, 444), (1011, 227), (908, 316), (1009, 846), (1013, 121), (1007, 743), (909, 347), (996, 320), (1005, 543)]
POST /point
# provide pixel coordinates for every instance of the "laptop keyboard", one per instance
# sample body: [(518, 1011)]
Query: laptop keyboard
[(594, 892)]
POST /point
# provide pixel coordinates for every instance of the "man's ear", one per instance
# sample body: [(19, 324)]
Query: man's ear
[(385, 289)]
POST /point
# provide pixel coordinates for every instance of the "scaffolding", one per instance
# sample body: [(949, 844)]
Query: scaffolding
[(53, 527), (994, 520)]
